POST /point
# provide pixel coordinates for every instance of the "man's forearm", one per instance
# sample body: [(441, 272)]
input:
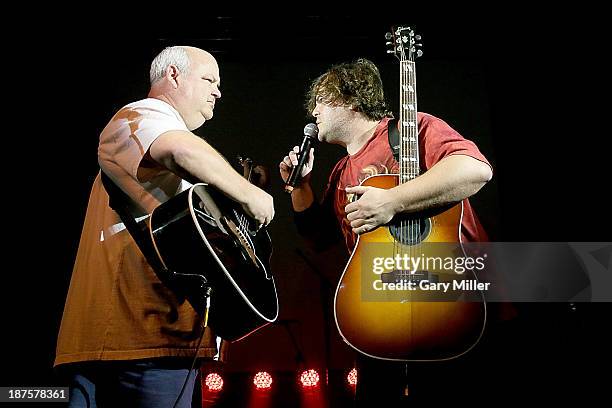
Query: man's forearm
[(302, 197), (195, 160), (449, 181)]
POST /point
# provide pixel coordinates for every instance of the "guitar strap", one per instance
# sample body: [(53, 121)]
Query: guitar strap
[(118, 201), (394, 138)]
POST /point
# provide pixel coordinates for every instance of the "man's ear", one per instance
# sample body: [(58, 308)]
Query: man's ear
[(171, 75)]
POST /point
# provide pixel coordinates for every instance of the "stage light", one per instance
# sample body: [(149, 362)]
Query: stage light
[(309, 378), (262, 380), (214, 382), (352, 377)]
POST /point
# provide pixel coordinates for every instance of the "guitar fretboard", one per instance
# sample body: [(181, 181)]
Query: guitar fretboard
[(408, 129)]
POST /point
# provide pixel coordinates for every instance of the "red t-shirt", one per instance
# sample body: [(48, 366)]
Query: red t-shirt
[(437, 140)]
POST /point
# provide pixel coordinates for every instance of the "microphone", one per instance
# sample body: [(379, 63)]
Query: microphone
[(310, 136)]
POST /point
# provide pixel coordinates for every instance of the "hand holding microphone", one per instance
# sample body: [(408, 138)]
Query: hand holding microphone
[(298, 163)]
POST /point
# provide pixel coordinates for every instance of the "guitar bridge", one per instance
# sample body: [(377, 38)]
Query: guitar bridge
[(397, 276)]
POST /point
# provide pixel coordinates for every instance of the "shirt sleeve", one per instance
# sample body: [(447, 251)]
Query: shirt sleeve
[(439, 140), (130, 133)]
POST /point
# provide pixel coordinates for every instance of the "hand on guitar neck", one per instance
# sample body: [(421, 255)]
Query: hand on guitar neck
[(258, 175)]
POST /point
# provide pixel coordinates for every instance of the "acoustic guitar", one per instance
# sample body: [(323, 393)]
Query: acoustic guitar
[(199, 236), (388, 306)]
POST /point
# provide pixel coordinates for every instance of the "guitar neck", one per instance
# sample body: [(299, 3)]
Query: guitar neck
[(408, 129), (406, 48)]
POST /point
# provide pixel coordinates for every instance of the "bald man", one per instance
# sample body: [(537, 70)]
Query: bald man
[(125, 339)]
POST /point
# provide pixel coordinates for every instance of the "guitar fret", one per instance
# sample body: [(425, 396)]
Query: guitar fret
[(407, 177)]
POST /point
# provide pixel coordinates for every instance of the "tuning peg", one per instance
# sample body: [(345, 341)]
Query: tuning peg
[(389, 43), (417, 37), (390, 51), (419, 53), (388, 36)]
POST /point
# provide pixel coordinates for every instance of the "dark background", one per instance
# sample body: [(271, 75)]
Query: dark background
[(524, 90)]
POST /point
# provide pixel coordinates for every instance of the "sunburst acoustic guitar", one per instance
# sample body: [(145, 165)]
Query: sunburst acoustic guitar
[(420, 321)]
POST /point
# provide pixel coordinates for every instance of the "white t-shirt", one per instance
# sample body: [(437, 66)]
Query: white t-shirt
[(116, 308), (125, 141)]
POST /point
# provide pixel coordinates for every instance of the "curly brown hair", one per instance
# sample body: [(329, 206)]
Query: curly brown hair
[(356, 84)]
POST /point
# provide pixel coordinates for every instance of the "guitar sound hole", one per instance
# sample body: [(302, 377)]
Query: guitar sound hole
[(411, 232)]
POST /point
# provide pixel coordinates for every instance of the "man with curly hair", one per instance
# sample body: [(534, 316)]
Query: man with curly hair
[(349, 106)]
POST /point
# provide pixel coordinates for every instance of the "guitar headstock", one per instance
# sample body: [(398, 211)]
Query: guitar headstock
[(256, 174), (404, 43)]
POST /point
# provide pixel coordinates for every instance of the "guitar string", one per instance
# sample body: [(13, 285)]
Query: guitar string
[(412, 140), (415, 151), (402, 165), (412, 159), (417, 163), (406, 229), (242, 219), (412, 231), (405, 239), (408, 103), (403, 152)]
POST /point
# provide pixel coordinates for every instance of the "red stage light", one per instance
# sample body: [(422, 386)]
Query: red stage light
[(352, 377), (262, 380), (214, 382), (309, 378)]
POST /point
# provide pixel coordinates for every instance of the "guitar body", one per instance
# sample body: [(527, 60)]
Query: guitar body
[(202, 236), (408, 325)]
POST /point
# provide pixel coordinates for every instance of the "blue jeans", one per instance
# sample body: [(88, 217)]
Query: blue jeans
[(148, 383)]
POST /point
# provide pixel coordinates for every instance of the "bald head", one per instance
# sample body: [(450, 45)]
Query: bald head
[(188, 79), (179, 56)]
